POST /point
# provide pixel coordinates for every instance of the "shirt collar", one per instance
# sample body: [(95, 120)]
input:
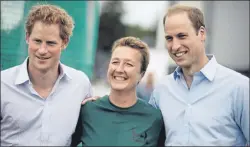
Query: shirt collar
[(208, 70), (23, 76), (177, 72)]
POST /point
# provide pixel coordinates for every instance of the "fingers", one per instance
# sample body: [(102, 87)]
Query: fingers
[(95, 97), (90, 99)]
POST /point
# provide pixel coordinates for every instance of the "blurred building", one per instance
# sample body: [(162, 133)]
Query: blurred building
[(227, 24)]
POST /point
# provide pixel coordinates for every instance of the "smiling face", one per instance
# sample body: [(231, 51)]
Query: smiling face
[(44, 47), (185, 45), (124, 70)]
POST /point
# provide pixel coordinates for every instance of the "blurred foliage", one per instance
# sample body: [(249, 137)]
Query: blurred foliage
[(147, 35), (110, 27), (136, 30)]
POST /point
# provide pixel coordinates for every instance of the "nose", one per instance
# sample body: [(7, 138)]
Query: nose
[(43, 49), (176, 45), (120, 68)]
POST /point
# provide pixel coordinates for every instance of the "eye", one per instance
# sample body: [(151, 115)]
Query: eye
[(168, 38), (37, 41), (130, 65), (114, 62), (181, 36), (50, 43)]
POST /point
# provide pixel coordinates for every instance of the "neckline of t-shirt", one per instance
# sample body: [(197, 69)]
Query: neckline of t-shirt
[(121, 108)]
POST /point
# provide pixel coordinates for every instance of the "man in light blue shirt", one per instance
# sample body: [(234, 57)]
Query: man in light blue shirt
[(202, 102), (41, 98)]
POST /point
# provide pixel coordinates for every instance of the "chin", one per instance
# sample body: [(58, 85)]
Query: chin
[(118, 87), (181, 63), (42, 68), (184, 65)]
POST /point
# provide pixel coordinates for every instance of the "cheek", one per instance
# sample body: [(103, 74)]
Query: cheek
[(168, 46), (32, 47), (110, 71), (55, 51), (135, 75)]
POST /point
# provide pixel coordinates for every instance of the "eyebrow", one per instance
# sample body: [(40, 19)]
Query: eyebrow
[(35, 38), (50, 41), (124, 59), (181, 33), (54, 42)]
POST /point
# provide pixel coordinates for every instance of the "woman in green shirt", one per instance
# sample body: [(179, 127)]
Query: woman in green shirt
[(121, 118)]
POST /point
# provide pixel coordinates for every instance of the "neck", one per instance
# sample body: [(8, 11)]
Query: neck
[(188, 72), (43, 79), (123, 99)]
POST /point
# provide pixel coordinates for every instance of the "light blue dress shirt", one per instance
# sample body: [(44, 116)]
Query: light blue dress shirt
[(214, 111), (29, 120)]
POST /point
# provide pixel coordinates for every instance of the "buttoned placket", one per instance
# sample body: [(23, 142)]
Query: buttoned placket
[(46, 114), (197, 79), (188, 108)]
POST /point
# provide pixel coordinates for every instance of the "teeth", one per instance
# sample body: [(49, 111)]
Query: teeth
[(179, 54), (120, 78)]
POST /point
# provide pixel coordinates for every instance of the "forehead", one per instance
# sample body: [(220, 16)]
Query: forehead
[(126, 53), (46, 30), (176, 23)]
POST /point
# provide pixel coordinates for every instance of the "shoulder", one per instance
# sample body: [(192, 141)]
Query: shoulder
[(164, 84), (232, 77), (77, 76), (164, 81), (146, 107), (99, 102), (9, 75), (74, 73)]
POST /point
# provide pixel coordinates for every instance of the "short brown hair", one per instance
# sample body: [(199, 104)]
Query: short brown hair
[(194, 14), (50, 14), (137, 44)]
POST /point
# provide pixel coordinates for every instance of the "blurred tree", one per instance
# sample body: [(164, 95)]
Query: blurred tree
[(147, 35), (138, 31), (110, 27)]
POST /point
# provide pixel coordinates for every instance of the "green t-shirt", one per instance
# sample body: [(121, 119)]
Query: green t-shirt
[(101, 123)]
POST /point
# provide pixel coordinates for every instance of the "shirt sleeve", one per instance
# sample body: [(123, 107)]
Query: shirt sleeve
[(90, 91), (241, 109)]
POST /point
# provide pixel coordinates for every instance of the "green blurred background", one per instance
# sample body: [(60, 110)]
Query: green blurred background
[(80, 53)]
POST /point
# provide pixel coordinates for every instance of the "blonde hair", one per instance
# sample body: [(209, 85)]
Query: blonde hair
[(137, 44), (50, 14)]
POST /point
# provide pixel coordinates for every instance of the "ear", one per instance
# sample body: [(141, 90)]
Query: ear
[(141, 76), (202, 33), (65, 43)]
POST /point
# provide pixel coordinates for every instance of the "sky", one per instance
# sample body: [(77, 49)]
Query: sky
[(143, 13)]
